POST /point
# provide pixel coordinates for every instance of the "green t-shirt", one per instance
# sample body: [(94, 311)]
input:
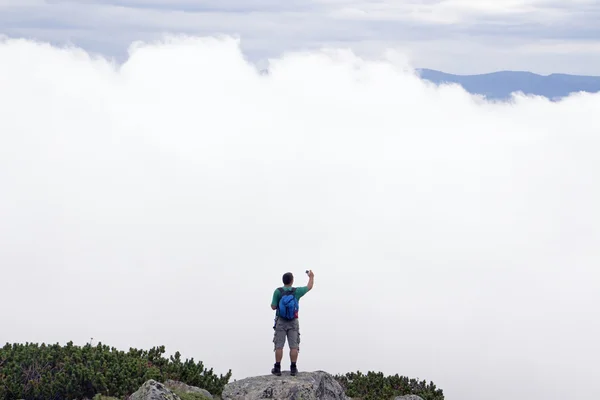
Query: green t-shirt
[(300, 291)]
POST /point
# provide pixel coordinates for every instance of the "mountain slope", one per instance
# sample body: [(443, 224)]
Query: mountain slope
[(500, 85)]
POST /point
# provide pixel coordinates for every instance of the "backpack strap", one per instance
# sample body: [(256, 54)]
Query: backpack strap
[(291, 291)]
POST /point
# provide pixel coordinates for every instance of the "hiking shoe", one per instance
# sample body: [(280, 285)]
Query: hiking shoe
[(276, 370), (293, 370)]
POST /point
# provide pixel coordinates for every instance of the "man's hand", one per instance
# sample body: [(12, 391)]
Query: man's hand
[(310, 279), (310, 274)]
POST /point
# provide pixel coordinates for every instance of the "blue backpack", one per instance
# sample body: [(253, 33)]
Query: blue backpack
[(288, 305)]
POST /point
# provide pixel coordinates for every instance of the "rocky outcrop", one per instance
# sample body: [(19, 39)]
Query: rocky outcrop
[(318, 385), (152, 390)]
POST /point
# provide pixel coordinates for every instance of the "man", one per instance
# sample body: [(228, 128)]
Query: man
[(285, 328)]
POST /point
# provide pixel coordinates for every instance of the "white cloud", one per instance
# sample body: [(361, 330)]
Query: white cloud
[(143, 205), (448, 11), (22, 3)]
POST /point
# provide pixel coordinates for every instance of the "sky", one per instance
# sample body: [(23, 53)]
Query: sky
[(159, 202), (455, 36)]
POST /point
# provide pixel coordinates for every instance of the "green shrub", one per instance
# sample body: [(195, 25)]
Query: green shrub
[(35, 372), (376, 386), (189, 396)]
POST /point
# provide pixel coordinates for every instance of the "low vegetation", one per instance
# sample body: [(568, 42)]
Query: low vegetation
[(189, 396), (36, 372), (377, 386)]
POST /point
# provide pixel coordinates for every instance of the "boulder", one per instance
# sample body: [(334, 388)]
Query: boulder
[(408, 397), (152, 390), (318, 385), (184, 388)]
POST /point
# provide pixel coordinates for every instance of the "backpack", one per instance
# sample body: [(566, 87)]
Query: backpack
[(288, 305)]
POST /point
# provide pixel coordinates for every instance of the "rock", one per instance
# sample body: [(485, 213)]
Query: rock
[(318, 385), (408, 397), (184, 388), (152, 390)]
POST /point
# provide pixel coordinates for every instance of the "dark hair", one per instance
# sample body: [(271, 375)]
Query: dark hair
[(288, 278)]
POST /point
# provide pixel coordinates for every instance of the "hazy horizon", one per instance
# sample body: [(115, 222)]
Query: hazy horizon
[(457, 37), (159, 202)]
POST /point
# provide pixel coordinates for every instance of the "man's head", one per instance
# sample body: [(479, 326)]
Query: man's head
[(288, 278)]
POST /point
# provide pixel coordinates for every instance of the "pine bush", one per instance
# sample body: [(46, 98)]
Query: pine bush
[(32, 371), (376, 386)]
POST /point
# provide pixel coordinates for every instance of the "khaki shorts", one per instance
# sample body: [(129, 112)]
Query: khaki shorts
[(287, 329)]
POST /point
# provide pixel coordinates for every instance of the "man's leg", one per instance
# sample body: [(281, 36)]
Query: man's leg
[(278, 342), (278, 355), (294, 343), (293, 355)]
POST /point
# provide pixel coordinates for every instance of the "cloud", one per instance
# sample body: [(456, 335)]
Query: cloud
[(214, 5), (490, 33), (160, 201)]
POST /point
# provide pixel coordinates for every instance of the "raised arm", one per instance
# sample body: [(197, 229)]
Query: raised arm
[(311, 280)]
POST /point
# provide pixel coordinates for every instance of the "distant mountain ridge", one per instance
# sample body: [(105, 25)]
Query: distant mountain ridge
[(499, 85)]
